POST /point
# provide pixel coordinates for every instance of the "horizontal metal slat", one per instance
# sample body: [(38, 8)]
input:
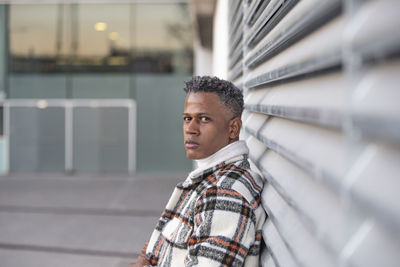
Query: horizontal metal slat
[(319, 101), (377, 196), (318, 207), (236, 55), (233, 27), (332, 228), (378, 127), (378, 37), (310, 20), (263, 15), (257, 149), (276, 247), (270, 22), (239, 85), (304, 247), (325, 118), (315, 53), (235, 72), (256, 121), (243, 136), (236, 58), (375, 107), (245, 113), (322, 64), (237, 49), (266, 259), (234, 7), (238, 82), (370, 246), (254, 97), (255, 10), (237, 38), (319, 152), (298, 11)]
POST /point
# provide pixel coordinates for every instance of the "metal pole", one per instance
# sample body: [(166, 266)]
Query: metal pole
[(6, 121), (131, 138), (69, 137)]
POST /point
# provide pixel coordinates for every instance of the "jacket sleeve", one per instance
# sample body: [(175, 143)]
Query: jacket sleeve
[(224, 229)]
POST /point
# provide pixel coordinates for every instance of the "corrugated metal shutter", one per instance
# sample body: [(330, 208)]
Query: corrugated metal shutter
[(322, 120)]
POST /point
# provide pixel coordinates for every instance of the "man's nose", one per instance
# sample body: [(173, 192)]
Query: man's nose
[(192, 127)]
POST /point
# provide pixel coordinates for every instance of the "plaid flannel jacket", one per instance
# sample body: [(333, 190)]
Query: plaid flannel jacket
[(214, 219)]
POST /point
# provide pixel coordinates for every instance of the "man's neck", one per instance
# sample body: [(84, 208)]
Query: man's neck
[(229, 151)]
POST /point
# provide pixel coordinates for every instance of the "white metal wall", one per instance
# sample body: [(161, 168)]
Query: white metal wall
[(322, 120)]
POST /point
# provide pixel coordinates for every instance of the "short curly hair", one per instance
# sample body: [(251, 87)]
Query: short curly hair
[(228, 93)]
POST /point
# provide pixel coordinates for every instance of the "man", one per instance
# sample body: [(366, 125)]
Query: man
[(214, 217)]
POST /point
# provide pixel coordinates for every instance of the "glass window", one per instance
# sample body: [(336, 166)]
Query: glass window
[(33, 36), (70, 38), (163, 37)]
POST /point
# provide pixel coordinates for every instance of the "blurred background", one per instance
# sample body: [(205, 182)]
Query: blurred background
[(91, 84), (91, 96)]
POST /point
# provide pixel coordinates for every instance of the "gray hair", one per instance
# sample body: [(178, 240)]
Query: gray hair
[(228, 93)]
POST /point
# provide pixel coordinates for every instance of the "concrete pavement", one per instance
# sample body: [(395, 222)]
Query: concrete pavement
[(81, 220)]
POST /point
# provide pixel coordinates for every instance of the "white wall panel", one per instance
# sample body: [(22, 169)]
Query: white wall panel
[(375, 107), (315, 51), (323, 218), (322, 121), (293, 101), (379, 198), (372, 245), (318, 151), (304, 246), (280, 255), (374, 27), (267, 259)]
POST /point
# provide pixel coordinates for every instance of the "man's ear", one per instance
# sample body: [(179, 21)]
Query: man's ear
[(234, 128)]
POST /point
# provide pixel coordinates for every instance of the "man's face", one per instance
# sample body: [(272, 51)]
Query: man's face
[(206, 125)]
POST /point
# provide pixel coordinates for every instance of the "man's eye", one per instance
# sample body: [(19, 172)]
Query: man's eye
[(187, 118), (205, 119)]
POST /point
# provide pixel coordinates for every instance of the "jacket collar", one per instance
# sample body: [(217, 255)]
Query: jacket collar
[(229, 154)]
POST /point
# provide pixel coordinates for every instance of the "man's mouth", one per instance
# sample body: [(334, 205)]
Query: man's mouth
[(189, 144)]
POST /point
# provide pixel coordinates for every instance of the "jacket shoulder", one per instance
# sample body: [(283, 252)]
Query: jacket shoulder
[(239, 177)]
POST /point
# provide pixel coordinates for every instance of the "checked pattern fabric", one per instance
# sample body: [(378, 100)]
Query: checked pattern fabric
[(213, 219)]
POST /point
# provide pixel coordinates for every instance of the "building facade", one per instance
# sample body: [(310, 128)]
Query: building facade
[(94, 87)]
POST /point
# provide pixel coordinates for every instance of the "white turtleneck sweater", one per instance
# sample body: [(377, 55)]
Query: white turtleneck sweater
[(230, 151)]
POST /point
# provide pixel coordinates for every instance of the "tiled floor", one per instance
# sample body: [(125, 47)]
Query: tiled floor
[(56, 220)]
